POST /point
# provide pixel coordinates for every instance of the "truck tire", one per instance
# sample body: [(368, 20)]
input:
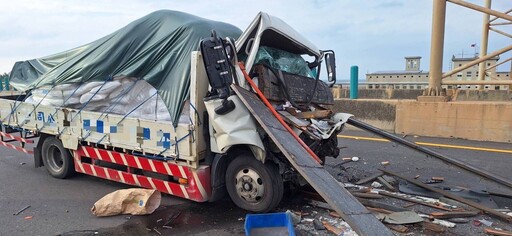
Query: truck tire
[(252, 185), (57, 160)]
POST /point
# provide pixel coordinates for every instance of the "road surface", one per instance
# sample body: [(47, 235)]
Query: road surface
[(62, 207)]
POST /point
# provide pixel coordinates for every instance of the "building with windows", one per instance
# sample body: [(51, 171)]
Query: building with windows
[(410, 78), (415, 78)]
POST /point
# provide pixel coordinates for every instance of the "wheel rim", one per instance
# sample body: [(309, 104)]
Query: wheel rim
[(55, 159), (249, 185)]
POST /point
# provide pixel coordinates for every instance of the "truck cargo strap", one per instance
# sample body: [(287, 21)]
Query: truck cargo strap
[(351, 210)]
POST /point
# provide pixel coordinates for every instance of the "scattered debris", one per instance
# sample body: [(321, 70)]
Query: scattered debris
[(452, 196), (385, 163), (459, 220), (497, 232), (135, 201), (386, 184), (399, 228), (404, 217), (381, 205), (158, 232), (318, 225), (438, 221), (436, 228), (332, 229), (22, 163), (447, 215), (394, 195), (334, 214), (486, 222), (27, 217), (416, 177), (369, 178), (438, 179), (477, 223), (355, 159), (21, 210), (367, 195), (389, 179), (376, 184)]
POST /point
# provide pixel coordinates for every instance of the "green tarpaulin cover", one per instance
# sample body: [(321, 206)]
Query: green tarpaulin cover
[(155, 48)]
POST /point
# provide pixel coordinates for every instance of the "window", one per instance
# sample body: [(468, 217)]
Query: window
[(370, 86), (397, 76), (498, 75), (488, 64), (377, 76), (468, 74), (405, 76), (418, 86), (370, 76), (460, 64), (459, 74), (377, 86)]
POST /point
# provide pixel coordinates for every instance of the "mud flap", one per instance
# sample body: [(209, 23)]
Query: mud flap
[(351, 210)]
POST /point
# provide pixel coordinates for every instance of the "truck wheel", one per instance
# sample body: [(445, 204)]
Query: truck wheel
[(57, 159), (252, 185)]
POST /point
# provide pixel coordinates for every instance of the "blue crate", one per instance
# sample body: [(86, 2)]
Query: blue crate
[(267, 221)]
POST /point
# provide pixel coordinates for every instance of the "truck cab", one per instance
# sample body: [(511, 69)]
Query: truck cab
[(255, 173)]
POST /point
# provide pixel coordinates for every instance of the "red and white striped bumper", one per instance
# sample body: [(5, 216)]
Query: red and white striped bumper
[(197, 188)]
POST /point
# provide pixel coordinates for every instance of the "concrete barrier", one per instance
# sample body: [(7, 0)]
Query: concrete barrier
[(379, 113), (456, 94), (484, 121)]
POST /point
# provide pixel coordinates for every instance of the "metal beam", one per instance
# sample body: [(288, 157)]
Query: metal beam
[(501, 32), (501, 23), (482, 9), (430, 152), (483, 43), (436, 48), (495, 18), (498, 64), (481, 59)]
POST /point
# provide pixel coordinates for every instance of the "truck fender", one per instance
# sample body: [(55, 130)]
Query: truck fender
[(218, 176)]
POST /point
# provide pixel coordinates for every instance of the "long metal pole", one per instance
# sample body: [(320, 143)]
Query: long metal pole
[(481, 9), (488, 56), (498, 64), (501, 32), (483, 43), (453, 161), (436, 48), (495, 17)]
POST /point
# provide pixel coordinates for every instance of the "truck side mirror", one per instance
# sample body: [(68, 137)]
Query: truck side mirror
[(330, 64)]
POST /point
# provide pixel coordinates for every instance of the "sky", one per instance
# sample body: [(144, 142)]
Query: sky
[(375, 35)]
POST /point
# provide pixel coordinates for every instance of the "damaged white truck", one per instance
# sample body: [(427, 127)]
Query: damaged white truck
[(160, 104)]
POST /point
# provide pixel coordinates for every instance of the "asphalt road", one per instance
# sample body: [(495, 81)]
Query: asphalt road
[(63, 206)]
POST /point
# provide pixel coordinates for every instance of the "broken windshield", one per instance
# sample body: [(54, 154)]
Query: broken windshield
[(283, 60)]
